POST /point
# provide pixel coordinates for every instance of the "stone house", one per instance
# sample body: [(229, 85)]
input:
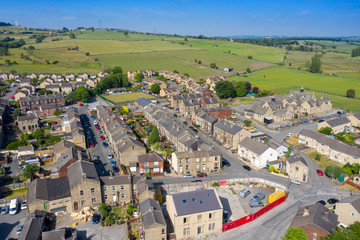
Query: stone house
[(20, 94), (44, 75), (354, 119), (128, 150), (84, 185), (28, 123), (54, 88), (47, 110), (4, 76), (168, 92), (32, 75), (46, 82), (34, 225), (90, 83), (229, 134), (50, 195), (57, 76), (70, 76), (193, 162), (34, 102), (330, 147), (316, 220), (220, 112), (205, 121), (24, 81), (297, 168), (348, 210), (258, 153), (195, 214), (117, 190), (153, 221), (66, 88), (66, 158), (337, 125), (14, 76), (25, 151), (151, 163), (102, 74)]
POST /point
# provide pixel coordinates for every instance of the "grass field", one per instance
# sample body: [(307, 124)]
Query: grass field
[(340, 46), (62, 55), (115, 35), (127, 97)]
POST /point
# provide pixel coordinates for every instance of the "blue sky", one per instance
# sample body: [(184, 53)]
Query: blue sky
[(194, 17)]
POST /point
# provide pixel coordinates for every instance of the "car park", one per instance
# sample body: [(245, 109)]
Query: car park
[(23, 206), (201, 175), (4, 210), (319, 172), (113, 163), (244, 193), (295, 181), (105, 144), (332, 200), (188, 176), (115, 169), (322, 202), (247, 167), (19, 229)]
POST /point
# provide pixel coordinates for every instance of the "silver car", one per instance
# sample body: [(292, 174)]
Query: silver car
[(256, 203), (188, 176)]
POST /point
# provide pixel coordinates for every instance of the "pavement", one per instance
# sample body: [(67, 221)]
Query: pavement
[(8, 224)]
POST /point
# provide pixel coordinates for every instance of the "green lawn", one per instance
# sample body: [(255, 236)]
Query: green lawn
[(340, 46), (16, 193), (128, 97)]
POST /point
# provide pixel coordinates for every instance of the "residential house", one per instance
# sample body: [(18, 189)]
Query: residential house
[(220, 112), (34, 225), (316, 220), (60, 233), (26, 151), (348, 210), (355, 119), (168, 92), (84, 185), (195, 214), (61, 147), (83, 75), (152, 219), (34, 102), (14, 76), (32, 75), (57, 76), (141, 103), (151, 163), (337, 125), (73, 129), (4, 76), (90, 83), (55, 88), (205, 121), (281, 149), (66, 158), (102, 74), (334, 149), (229, 134), (66, 88), (27, 123), (47, 110), (24, 81), (209, 102), (193, 162), (44, 75), (50, 195), (258, 153), (46, 82), (297, 168), (128, 150), (70, 76), (20, 94)]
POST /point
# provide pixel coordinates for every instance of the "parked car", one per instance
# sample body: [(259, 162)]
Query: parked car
[(115, 169), (289, 134), (97, 128), (201, 175), (188, 176), (319, 172), (321, 120), (225, 163), (342, 225), (23, 206), (110, 156), (244, 193), (92, 144), (92, 117), (247, 167), (96, 157), (4, 210), (18, 229), (197, 180), (105, 144), (167, 169), (80, 104), (113, 163), (99, 131), (95, 122), (332, 200), (256, 203), (259, 196), (102, 138), (295, 181), (86, 124), (322, 202), (95, 219)]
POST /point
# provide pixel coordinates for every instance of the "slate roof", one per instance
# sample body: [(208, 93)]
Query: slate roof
[(338, 121), (197, 154), (357, 115), (150, 157), (207, 117), (149, 205), (332, 143), (316, 217), (353, 200), (42, 97), (27, 117), (59, 234), (228, 127), (153, 218), (26, 148), (115, 180), (33, 225), (254, 146), (295, 158), (48, 189), (78, 169), (143, 102), (198, 201), (128, 142), (48, 106)]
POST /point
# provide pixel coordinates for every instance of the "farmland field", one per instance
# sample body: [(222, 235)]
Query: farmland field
[(127, 97), (340, 46)]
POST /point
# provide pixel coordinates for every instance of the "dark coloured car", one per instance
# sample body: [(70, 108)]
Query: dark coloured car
[(322, 120), (167, 169), (198, 180), (95, 219), (96, 157), (226, 163), (339, 112), (175, 115), (322, 202), (105, 144), (247, 167), (92, 117), (115, 169), (332, 200)]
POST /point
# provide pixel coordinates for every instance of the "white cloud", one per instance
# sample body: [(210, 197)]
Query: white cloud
[(68, 18), (302, 13)]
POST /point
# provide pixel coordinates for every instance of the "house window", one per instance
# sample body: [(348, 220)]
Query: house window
[(123, 196), (210, 227), (81, 192), (113, 188), (352, 214), (163, 231), (184, 232), (199, 230), (304, 170), (83, 203), (203, 166), (213, 226), (67, 200), (54, 203), (146, 164), (197, 166), (93, 200), (198, 160), (187, 160), (188, 231), (105, 197), (122, 188), (180, 160), (105, 189), (210, 215), (187, 167), (92, 190), (296, 168), (156, 163), (61, 202), (295, 175), (314, 236)]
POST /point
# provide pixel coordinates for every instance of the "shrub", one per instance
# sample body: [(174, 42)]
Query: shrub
[(215, 184), (333, 171), (271, 168)]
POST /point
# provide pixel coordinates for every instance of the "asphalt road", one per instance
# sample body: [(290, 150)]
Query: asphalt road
[(8, 224)]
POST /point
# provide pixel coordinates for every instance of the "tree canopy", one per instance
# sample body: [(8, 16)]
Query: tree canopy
[(240, 89), (315, 65), (325, 130), (351, 169), (350, 93), (80, 94), (154, 136), (225, 89), (355, 52), (294, 234), (351, 233), (155, 88), (30, 169), (138, 77), (333, 171), (116, 80)]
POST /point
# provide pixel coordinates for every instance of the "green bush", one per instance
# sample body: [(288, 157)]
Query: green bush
[(215, 184), (333, 171)]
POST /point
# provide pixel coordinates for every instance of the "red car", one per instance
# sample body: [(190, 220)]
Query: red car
[(319, 172), (97, 128), (80, 104), (92, 144), (102, 138), (201, 175)]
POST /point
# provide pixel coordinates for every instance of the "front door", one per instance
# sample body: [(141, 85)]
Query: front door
[(199, 230), (76, 206)]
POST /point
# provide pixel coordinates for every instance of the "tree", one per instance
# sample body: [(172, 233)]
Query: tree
[(154, 136), (289, 151), (29, 170), (318, 156), (350, 169), (355, 52), (248, 70), (255, 90), (240, 89), (7, 61), (55, 62), (125, 110), (315, 65), (248, 86), (295, 234), (350, 93), (16, 113), (155, 88), (186, 74), (82, 94), (247, 123), (176, 71), (212, 65), (57, 112), (126, 33), (271, 168), (333, 171), (343, 234), (138, 77), (38, 134), (71, 35), (249, 57), (4, 51), (225, 89), (116, 70), (325, 130), (87, 53), (199, 62)]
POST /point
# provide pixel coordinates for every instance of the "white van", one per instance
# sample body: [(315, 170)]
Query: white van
[(13, 207)]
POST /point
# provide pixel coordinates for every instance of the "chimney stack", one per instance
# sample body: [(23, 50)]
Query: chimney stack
[(306, 211)]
